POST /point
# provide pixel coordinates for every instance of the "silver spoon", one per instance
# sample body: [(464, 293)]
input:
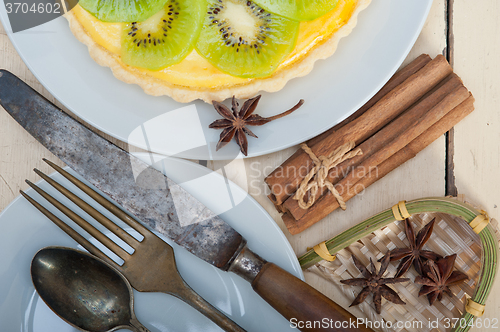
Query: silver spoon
[(84, 290)]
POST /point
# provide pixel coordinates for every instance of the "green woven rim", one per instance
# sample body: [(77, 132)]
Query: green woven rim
[(489, 254)]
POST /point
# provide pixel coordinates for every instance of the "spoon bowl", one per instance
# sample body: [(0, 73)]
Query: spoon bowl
[(84, 290)]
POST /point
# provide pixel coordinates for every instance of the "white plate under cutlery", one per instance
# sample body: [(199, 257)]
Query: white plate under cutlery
[(24, 231)]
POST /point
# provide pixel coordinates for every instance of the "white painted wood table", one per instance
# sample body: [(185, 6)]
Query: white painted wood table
[(466, 161)]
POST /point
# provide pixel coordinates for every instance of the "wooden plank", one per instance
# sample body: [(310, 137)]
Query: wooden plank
[(477, 138), (423, 176), (19, 152)]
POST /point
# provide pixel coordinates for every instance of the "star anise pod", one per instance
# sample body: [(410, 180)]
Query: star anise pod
[(373, 283), (437, 278), (414, 254), (235, 123)]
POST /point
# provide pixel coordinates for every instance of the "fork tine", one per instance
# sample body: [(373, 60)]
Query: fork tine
[(82, 223), (68, 230), (101, 200), (99, 217)]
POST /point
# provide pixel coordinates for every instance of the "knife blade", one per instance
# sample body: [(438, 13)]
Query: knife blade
[(113, 171)]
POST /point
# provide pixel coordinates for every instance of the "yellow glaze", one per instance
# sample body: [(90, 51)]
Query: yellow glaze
[(195, 71)]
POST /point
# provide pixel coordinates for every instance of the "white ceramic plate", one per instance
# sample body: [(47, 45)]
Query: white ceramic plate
[(25, 231), (364, 61)]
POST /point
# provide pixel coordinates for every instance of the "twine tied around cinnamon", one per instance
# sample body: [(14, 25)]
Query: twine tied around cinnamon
[(319, 174)]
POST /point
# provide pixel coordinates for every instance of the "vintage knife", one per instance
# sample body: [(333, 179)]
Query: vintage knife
[(114, 171)]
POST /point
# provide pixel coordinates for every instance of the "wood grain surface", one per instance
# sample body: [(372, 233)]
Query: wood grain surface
[(470, 33)]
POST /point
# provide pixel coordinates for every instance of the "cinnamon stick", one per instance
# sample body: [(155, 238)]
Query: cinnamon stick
[(371, 164), (393, 136), (325, 206), (285, 180), (393, 82)]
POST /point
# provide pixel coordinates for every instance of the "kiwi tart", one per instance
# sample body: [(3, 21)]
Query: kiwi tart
[(211, 49)]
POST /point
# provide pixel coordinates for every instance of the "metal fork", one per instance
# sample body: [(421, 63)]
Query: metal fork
[(162, 276)]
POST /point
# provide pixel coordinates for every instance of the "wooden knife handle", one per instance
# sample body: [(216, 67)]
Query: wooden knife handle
[(300, 303)]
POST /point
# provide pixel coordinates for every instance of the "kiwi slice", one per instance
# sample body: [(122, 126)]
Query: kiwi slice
[(122, 10), (300, 10), (242, 39), (165, 38)]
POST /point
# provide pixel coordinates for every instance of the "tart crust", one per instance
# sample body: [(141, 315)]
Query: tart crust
[(157, 87)]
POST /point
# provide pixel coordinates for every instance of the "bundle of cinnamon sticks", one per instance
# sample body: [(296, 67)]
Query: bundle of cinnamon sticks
[(417, 105)]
